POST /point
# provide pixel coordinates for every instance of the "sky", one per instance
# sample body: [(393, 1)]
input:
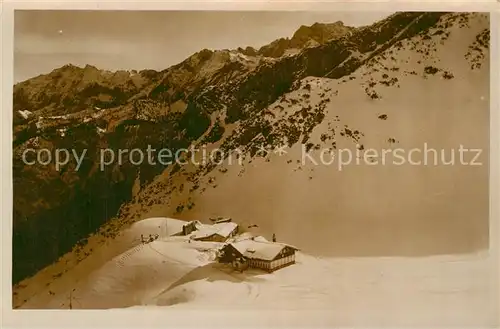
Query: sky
[(126, 40)]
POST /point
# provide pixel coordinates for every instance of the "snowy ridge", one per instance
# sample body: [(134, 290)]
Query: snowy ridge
[(372, 238), (172, 272)]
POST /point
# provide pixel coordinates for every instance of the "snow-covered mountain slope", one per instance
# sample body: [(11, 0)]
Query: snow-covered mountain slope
[(87, 108), (435, 291), (431, 88), (176, 275), (200, 101), (428, 96)]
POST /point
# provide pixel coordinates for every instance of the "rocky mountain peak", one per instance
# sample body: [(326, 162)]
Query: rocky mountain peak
[(249, 51), (304, 37), (320, 32)]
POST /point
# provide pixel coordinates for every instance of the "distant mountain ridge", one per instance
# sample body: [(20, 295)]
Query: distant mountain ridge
[(305, 36)]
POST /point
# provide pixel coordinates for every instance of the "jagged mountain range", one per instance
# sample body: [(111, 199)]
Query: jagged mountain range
[(225, 98)]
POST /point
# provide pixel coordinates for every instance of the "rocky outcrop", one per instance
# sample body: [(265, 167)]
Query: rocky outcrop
[(305, 37)]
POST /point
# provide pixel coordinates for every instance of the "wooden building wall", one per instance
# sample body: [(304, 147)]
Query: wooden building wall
[(229, 254), (285, 258), (282, 262)]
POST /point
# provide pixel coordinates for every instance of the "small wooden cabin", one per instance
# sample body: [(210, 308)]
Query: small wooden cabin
[(223, 220), (285, 257), (216, 233), (265, 255), (189, 228), (217, 220)]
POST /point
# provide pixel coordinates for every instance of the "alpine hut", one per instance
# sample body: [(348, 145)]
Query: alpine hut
[(216, 233), (259, 253)]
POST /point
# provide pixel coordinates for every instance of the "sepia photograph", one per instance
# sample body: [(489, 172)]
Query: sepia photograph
[(278, 161)]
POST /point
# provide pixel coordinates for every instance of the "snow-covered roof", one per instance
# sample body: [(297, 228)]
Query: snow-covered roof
[(222, 229), (260, 248), (225, 229), (25, 113), (240, 237), (223, 220)]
